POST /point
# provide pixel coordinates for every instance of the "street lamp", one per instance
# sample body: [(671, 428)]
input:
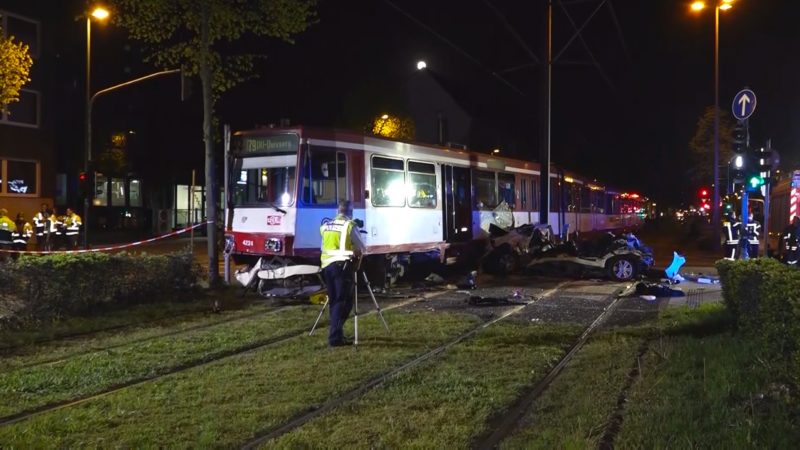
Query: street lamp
[(421, 65), (720, 5), (98, 13)]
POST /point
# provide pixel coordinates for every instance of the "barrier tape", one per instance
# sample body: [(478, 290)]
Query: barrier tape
[(109, 248)]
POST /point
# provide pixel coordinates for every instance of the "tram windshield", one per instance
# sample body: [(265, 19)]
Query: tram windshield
[(264, 172)]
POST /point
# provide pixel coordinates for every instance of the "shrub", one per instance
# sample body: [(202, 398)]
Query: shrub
[(50, 286), (764, 297)]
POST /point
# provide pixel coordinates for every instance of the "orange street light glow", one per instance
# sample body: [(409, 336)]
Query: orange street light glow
[(725, 6), (697, 6), (100, 13)]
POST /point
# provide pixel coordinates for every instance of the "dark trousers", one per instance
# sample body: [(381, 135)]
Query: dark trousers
[(339, 283)]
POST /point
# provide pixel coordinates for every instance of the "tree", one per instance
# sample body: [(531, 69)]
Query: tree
[(702, 146), (200, 36), (15, 66), (393, 127)]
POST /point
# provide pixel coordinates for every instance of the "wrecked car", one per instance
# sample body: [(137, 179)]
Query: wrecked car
[(534, 248)]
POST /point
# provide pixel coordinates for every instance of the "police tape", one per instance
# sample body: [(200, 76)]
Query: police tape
[(112, 247)]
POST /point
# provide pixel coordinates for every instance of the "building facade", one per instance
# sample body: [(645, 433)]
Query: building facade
[(27, 128)]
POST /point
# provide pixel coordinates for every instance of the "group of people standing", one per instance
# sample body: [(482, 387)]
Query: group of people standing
[(739, 239), (53, 231)]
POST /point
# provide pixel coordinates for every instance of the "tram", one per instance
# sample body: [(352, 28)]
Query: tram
[(412, 198)]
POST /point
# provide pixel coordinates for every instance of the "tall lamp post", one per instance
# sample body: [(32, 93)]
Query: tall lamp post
[(100, 14), (723, 5)]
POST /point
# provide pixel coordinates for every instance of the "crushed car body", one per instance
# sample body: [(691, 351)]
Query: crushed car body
[(535, 249)]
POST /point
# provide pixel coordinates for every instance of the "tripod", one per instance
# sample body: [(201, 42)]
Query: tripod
[(355, 302)]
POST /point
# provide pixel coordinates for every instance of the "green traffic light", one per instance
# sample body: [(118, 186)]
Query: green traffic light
[(756, 181)]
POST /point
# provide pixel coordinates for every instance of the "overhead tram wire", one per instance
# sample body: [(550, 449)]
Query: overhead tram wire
[(619, 31), (455, 47), (579, 35), (513, 32)]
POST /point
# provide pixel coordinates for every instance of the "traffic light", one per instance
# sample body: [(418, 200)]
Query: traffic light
[(738, 166), (83, 184), (755, 181), (739, 138)]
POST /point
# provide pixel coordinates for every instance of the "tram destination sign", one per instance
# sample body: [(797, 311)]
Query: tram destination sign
[(276, 144)]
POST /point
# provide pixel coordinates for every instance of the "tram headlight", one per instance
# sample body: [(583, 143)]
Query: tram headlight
[(273, 245)]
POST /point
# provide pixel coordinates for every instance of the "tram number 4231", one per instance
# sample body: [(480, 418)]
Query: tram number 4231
[(273, 220)]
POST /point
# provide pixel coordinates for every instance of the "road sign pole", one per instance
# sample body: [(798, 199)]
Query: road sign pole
[(744, 243)]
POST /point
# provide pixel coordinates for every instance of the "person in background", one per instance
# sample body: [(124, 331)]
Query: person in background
[(7, 228), (791, 242), (72, 224), (23, 233), (40, 227)]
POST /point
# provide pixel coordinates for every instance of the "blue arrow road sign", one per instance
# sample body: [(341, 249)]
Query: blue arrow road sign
[(744, 104)]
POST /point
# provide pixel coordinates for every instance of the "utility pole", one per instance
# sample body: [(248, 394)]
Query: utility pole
[(545, 120)]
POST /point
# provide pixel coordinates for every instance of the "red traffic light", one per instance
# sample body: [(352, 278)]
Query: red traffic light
[(703, 192), (83, 176)]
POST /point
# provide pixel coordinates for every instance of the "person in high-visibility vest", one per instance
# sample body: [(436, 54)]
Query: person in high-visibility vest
[(753, 233), (341, 245), (791, 242), (730, 228), (7, 228), (40, 227), (23, 233), (73, 224)]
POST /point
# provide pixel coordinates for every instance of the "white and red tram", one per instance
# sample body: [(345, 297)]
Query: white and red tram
[(411, 197)]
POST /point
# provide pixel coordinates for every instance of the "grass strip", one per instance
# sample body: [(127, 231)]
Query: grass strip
[(447, 402), (574, 410), (89, 373), (708, 392), (223, 403), (76, 326), (60, 349)]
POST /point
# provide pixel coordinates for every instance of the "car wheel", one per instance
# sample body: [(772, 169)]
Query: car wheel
[(622, 268), (501, 261)]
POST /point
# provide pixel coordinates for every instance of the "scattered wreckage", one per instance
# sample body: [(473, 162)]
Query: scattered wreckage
[(535, 249)]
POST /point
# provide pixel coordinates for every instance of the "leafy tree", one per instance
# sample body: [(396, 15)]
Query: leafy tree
[(201, 36), (15, 66), (702, 146), (393, 127)]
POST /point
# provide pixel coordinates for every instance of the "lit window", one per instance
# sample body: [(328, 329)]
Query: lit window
[(135, 193), (422, 181), (388, 182), (117, 192), (100, 190), (21, 177)]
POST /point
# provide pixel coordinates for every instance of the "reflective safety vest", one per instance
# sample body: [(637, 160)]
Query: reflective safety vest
[(21, 236), (7, 224), (731, 232), (337, 245), (55, 224), (39, 221), (73, 224), (752, 232)]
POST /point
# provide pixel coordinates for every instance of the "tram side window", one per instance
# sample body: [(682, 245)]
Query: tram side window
[(609, 203), (523, 194), (388, 182), (324, 177), (586, 203), (422, 180), (598, 201), (555, 195), (506, 187), (485, 189), (535, 193)]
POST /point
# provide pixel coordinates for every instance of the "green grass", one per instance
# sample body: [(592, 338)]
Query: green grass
[(706, 393), (574, 410), (223, 403), (113, 318), (445, 403), (88, 373), (65, 348)]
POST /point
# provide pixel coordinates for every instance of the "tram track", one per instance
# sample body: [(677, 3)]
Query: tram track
[(252, 346), (154, 337), (12, 349), (302, 418), (504, 424)]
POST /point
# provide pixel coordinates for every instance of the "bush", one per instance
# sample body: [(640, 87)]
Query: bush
[(764, 297), (43, 287)]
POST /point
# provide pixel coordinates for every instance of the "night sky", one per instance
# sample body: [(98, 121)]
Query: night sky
[(632, 130)]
